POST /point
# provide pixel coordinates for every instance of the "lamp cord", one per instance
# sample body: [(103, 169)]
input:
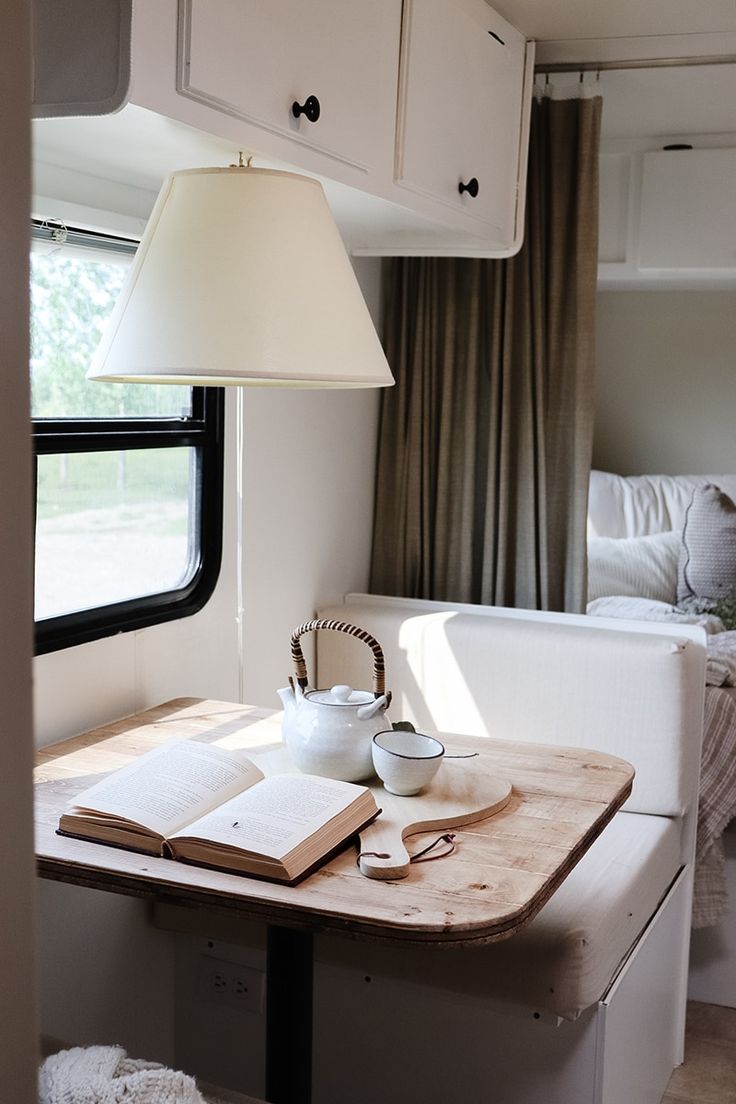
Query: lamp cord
[(239, 527)]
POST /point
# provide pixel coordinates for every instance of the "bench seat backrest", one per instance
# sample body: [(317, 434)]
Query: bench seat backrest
[(632, 690)]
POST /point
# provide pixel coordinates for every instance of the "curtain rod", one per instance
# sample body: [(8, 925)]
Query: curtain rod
[(638, 63)]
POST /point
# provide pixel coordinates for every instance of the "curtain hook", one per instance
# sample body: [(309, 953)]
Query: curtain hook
[(546, 80)]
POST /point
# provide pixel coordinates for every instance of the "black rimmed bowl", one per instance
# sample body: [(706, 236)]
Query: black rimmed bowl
[(406, 762)]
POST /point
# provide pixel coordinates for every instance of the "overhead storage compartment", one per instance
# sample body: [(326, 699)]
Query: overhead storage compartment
[(321, 74), (668, 216), (459, 111), (316, 88)]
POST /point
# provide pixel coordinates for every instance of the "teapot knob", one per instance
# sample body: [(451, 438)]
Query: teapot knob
[(341, 693)]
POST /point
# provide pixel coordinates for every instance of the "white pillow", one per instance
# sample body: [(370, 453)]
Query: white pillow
[(644, 567)]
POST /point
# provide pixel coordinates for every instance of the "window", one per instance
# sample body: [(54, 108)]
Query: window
[(128, 476)]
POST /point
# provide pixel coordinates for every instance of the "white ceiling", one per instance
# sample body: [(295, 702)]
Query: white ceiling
[(584, 19), (682, 101)]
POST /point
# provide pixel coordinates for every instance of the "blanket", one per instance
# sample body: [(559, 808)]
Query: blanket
[(721, 663), (716, 806), (105, 1075), (717, 799)]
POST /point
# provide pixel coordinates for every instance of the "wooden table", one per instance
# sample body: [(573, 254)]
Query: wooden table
[(502, 872)]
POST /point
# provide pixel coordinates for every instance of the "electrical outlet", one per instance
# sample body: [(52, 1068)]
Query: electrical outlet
[(230, 983)]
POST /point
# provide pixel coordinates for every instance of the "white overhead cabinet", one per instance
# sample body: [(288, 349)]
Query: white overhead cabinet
[(668, 217), (460, 111), (413, 115), (322, 74)]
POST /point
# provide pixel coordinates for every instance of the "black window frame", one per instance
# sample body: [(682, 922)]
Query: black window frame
[(202, 430)]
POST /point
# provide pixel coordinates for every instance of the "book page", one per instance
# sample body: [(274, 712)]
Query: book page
[(276, 815), (171, 786)]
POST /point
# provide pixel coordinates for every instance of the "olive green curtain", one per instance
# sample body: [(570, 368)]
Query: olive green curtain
[(485, 441)]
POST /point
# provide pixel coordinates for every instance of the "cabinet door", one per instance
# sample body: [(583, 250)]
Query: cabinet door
[(460, 107), (256, 58), (688, 209)]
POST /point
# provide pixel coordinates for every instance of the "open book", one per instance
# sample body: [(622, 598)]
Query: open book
[(212, 806)]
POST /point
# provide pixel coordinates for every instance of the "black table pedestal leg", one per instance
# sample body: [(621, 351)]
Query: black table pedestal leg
[(289, 1016)]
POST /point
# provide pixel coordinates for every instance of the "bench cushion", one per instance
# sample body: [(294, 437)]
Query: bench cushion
[(565, 959)]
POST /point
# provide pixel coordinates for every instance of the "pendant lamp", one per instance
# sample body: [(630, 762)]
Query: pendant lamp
[(241, 278)]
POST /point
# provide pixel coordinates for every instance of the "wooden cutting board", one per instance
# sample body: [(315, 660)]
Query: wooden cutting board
[(457, 796)]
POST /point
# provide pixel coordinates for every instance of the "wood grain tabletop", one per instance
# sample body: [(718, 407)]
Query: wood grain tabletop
[(502, 871)]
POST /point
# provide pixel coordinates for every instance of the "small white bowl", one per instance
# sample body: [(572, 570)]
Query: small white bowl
[(406, 761)]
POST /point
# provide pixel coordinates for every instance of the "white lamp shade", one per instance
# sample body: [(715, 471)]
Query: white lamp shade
[(242, 278)]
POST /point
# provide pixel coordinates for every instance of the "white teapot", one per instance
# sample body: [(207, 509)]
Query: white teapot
[(330, 732)]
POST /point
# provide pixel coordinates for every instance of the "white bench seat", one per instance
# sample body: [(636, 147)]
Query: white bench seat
[(564, 960), (585, 1005)]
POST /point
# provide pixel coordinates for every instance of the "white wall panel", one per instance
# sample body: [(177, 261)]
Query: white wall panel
[(664, 382), (110, 978), (309, 506), (78, 688)]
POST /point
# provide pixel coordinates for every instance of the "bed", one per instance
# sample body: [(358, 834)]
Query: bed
[(663, 548)]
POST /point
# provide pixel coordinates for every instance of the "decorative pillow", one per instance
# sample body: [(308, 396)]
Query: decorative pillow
[(707, 567), (644, 567)]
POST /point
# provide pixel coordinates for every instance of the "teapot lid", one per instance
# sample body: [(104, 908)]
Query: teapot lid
[(340, 695)]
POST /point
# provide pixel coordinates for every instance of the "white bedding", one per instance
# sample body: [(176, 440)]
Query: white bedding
[(633, 574), (721, 666), (647, 609), (631, 505)]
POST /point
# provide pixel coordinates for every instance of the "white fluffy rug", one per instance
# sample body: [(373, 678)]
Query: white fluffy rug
[(106, 1075)]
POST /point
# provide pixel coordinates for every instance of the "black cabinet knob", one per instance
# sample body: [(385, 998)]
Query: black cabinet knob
[(472, 187), (310, 108)]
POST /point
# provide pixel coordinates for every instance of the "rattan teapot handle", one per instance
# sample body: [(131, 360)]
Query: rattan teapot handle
[(300, 667)]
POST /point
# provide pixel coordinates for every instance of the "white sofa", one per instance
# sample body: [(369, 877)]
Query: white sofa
[(586, 1005)]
